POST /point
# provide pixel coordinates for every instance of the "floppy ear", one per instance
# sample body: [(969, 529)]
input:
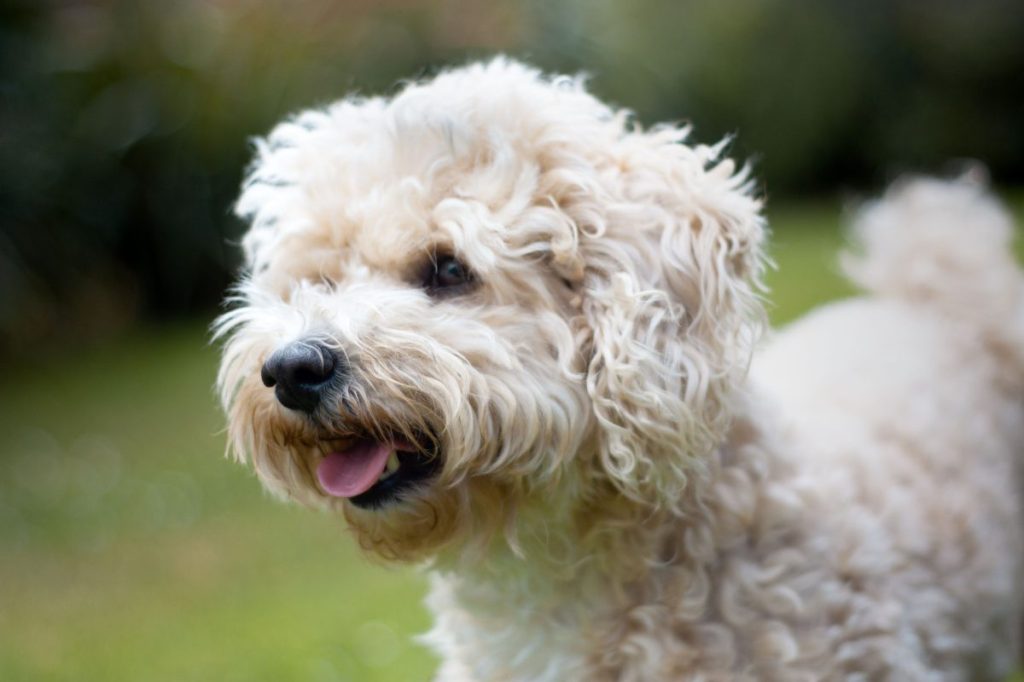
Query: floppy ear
[(672, 270)]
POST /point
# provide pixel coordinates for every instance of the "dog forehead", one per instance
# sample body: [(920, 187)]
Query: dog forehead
[(391, 228), (380, 208), (336, 248), (385, 182)]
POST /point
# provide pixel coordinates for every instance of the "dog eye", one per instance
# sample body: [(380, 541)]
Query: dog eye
[(446, 275)]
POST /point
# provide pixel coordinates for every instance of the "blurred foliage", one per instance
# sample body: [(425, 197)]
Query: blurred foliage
[(124, 123)]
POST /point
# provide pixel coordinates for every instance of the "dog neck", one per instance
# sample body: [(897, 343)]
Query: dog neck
[(583, 577)]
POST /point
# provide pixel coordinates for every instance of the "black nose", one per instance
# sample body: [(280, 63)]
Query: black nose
[(300, 373)]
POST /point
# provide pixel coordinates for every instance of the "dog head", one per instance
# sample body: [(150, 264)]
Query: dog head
[(487, 294)]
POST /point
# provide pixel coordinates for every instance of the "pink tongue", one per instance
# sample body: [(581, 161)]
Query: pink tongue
[(354, 471)]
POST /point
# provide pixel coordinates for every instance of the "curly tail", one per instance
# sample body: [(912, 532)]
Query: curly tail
[(945, 244)]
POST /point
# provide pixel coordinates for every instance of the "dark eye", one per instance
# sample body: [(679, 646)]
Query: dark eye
[(446, 275)]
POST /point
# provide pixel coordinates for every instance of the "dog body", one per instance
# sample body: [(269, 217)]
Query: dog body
[(503, 330), (861, 522)]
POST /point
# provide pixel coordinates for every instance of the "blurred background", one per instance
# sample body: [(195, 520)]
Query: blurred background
[(130, 549)]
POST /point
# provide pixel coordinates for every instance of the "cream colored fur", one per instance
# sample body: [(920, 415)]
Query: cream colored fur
[(628, 490)]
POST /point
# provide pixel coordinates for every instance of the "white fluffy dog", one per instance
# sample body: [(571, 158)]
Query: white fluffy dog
[(500, 327)]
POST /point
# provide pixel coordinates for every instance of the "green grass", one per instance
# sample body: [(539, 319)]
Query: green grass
[(133, 550)]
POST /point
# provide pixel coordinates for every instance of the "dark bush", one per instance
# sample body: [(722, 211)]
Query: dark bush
[(123, 124)]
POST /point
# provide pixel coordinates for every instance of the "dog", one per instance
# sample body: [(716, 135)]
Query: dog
[(507, 332)]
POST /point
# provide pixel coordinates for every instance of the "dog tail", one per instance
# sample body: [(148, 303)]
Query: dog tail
[(945, 244)]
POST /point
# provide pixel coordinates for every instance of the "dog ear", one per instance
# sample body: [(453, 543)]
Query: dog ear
[(672, 273)]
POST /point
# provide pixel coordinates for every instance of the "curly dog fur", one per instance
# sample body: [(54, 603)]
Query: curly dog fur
[(622, 482)]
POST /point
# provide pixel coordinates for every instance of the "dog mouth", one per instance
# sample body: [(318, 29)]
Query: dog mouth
[(372, 473)]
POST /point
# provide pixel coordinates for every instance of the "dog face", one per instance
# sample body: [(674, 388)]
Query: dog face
[(485, 295)]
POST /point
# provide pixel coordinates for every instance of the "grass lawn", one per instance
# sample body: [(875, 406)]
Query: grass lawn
[(133, 550)]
